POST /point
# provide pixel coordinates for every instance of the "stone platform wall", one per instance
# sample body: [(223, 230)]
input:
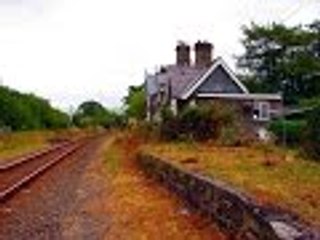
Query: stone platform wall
[(238, 215)]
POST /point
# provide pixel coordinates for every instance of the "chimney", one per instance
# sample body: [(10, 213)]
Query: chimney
[(183, 54), (203, 51)]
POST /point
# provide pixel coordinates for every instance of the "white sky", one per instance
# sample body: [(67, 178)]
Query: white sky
[(70, 51)]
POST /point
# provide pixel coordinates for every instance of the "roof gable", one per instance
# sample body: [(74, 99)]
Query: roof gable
[(218, 79)]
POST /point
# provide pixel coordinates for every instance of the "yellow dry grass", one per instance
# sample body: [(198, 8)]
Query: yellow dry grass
[(142, 209), (19, 143), (13, 144), (268, 174)]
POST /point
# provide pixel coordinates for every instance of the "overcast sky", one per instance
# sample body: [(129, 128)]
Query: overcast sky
[(69, 51)]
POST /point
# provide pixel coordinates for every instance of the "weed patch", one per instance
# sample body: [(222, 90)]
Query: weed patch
[(13, 144)]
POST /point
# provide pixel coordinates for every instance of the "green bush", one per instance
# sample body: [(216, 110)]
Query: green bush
[(230, 124), (291, 130), (312, 134), (201, 123), (169, 127), (197, 123), (192, 123)]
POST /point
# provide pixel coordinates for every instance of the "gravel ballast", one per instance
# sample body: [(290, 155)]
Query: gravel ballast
[(37, 211)]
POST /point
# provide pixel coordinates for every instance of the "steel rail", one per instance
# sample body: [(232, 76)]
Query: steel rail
[(31, 156), (66, 149)]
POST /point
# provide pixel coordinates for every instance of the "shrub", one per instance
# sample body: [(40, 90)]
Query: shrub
[(193, 123), (224, 114), (145, 130), (230, 125), (312, 134), (201, 123), (290, 129), (169, 125), (229, 136), (197, 123)]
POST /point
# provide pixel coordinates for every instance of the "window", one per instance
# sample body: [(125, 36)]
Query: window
[(261, 111), (264, 111)]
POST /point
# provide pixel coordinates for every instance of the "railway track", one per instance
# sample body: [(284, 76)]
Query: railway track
[(18, 173)]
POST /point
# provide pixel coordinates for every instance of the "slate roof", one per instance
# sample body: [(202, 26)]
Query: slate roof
[(174, 77)]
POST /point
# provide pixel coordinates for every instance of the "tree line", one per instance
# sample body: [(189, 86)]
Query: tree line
[(19, 111)]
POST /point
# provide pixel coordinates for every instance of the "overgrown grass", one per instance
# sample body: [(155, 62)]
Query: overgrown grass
[(19, 143), (140, 208), (265, 172), (112, 159), (13, 144)]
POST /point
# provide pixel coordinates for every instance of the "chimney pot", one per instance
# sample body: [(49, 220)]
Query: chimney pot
[(203, 52), (182, 54)]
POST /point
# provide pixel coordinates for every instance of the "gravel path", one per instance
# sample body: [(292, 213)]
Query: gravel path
[(37, 212), (87, 220)]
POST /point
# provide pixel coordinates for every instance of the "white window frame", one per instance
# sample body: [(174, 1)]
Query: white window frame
[(262, 116)]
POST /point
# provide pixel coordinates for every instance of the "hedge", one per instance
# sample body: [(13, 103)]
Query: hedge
[(292, 130)]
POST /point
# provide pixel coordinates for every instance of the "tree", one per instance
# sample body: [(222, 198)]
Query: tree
[(26, 112), (90, 113), (135, 102), (280, 58)]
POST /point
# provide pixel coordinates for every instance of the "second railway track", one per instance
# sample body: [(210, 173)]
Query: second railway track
[(16, 174)]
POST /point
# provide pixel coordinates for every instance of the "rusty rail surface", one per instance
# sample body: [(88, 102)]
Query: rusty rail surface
[(18, 173)]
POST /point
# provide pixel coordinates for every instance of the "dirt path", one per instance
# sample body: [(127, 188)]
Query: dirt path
[(116, 201)]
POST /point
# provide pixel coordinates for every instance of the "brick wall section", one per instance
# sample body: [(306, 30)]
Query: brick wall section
[(238, 215)]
